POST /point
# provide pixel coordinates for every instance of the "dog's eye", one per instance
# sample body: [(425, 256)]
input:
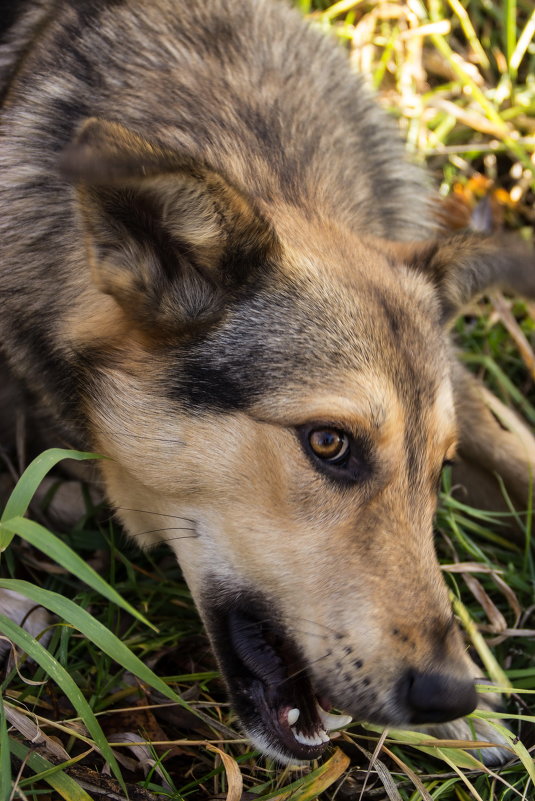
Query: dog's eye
[(344, 458), (329, 444)]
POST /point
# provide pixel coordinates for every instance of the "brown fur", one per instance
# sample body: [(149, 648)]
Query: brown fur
[(211, 267)]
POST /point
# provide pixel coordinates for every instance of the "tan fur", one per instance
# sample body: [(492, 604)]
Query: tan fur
[(211, 245)]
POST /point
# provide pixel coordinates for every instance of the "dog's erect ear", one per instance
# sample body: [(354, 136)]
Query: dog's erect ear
[(169, 239), (463, 265)]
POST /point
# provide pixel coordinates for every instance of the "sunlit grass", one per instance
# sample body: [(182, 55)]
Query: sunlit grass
[(460, 79)]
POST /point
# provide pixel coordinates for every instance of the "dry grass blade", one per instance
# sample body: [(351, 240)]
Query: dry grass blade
[(524, 41), (373, 759), (342, 7), (497, 620), (464, 778), (468, 30), (467, 117), (410, 773), (510, 420), (33, 733), (490, 663), (315, 782), (143, 753), (64, 786), (468, 567), (232, 770), (517, 335), (382, 771), (510, 595), (459, 77)]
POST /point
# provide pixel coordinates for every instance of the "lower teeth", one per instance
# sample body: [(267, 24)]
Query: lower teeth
[(319, 738)]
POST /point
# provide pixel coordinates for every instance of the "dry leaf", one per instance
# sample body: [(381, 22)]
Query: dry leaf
[(234, 777)]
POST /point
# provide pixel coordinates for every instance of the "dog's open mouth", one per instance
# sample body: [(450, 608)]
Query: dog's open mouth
[(270, 686)]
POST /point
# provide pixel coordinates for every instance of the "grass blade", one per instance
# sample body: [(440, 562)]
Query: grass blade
[(20, 498), (518, 747), (524, 41), (492, 667), (314, 783), (428, 744), (468, 30), (38, 536), (95, 631), (510, 29), (5, 767), (58, 673), (66, 787)]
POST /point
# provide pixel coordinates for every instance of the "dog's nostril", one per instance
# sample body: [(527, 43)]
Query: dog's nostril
[(435, 698)]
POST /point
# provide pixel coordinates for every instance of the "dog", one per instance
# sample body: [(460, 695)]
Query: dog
[(218, 270)]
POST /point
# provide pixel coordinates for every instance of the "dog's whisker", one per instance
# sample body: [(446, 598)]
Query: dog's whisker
[(291, 629), (168, 528), (305, 669), (158, 514), (295, 630), (167, 540), (338, 634)]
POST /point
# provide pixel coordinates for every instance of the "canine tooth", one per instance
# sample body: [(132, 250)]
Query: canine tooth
[(293, 716), (331, 721)]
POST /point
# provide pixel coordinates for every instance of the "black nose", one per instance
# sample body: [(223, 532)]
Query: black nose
[(435, 698)]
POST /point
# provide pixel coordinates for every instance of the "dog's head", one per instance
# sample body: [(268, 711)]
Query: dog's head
[(275, 397)]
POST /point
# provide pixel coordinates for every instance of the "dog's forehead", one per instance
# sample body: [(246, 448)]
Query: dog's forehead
[(319, 335)]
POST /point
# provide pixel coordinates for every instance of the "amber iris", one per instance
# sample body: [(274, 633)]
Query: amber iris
[(328, 443)]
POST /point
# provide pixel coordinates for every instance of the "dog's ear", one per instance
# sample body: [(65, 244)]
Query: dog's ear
[(169, 239), (463, 266)]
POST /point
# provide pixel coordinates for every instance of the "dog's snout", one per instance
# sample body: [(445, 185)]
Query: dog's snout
[(435, 698)]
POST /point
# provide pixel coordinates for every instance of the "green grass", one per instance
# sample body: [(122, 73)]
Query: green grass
[(127, 652)]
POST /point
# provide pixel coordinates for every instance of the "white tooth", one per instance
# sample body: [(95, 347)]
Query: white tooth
[(331, 721), (324, 736), (316, 739), (300, 737), (293, 716)]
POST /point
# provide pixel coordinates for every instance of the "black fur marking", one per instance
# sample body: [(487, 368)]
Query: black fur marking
[(66, 376), (393, 317), (206, 385), (10, 11), (266, 338), (88, 11), (439, 635), (70, 111)]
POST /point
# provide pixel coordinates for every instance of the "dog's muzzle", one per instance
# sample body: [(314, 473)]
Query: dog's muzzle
[(272, 689), (269, 683)]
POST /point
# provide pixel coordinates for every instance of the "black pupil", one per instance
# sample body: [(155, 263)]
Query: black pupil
[(327, 443), (328, 439)]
